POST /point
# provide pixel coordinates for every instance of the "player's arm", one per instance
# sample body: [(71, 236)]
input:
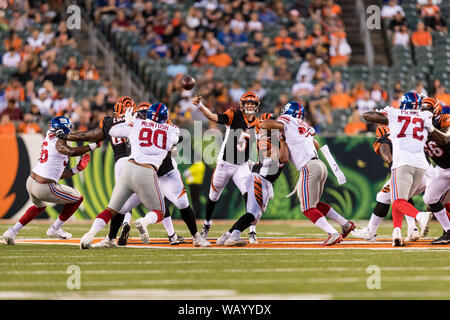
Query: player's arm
[(80, 167), (442, 137), (197, 101), (284, 151), (93, 135), (316, 145), (385, 152), (375, 117), (120, 130), (272, 124), (62, 147)]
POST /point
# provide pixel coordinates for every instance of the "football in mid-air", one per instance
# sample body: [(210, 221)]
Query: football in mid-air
[(188, 82)]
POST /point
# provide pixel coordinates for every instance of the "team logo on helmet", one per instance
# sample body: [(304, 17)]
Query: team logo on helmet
[(294, 109), (410, 101), (249, 97), (123, 104), (61, 123)]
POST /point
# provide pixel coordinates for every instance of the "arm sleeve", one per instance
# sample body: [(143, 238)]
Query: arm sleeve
[(226, 118), (284, 120), (120, 130)]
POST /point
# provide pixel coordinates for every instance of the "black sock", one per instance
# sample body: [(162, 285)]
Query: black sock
[(381, 209), (195, 197), (243, 222), (188, 217), (209, 209), (245, 196), (166, 203), (412, 202), (116, 222)]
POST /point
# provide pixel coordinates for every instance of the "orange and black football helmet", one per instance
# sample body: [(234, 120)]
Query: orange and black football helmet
[(433, 105), (122, 106), (245, 99), (142, 109)]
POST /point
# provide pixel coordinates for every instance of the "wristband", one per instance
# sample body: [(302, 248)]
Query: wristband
[(75, 170), (93, 146)]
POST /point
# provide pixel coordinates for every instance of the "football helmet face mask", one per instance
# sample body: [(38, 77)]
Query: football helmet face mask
[(142, 109), (122, 105), (62, 123), (294, 109), (249, 103), (158, 112), (410, 101)]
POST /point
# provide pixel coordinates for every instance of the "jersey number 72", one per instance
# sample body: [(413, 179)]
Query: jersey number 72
[(416, 130)]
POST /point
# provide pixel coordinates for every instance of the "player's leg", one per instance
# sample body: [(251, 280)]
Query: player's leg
[(31, 213), (312, 179), (220, 178)]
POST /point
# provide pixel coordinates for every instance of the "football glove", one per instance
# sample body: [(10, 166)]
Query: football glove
[(60, 133), (82, 164)]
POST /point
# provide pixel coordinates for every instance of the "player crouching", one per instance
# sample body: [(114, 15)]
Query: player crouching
[(42, 184), (313, 172)]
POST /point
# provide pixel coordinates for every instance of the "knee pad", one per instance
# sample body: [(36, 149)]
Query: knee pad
[(381, 210), (384, 197), (323, 207), (436, 207)]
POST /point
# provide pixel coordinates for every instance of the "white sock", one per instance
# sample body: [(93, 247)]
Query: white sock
[(208, 222), (17, 227), (58, 224), (333, 215), (236, 234), (374, 222), (127, 218), (151, 218), (167, 223), (252, 229), (410, 221), (98, 225), (323, 224), (443, 219)]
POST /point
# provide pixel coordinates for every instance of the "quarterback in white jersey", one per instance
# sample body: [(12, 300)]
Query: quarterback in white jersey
[(42, 184), (313, 172), (408, 126)]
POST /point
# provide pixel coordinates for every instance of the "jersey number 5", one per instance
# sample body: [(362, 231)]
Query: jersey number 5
[(242, 141), (151, 138), (44, 153), (416, 129)]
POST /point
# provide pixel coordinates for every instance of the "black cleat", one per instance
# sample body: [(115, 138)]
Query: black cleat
[(205, 230), (444, 239), (176, 239), (123, 239)]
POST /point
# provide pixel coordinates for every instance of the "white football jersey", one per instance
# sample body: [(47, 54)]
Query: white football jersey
[(408, 135), (299, 141), (51, 162), (150, 141)]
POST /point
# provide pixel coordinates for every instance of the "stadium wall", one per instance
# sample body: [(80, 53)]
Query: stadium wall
[(364, 170)]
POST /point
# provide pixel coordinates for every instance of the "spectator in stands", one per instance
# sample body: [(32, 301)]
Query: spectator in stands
[(35, 113), (221, 59), (319, 105), (194, 18), (236, 91), (13, 42), (111, 97), (401, 37), (257, 88), (238, 37), (30, 93), (439, 23), (159, 50), (267, 16), (22, 73), (435, 85), (340, 52), (88, 71), (281, 70), (15, 91), (420, 89), (358, 91), (265, 71), (28, 125), (323, 73), (355, 124), (304, 87), (307, 68), (251, 58), (282, 38), (13, 111), (36, 43), (366, 103), (176, 68), (71, 70), (340, 99), (337, 78), (397, 94), (388, 11), (47, 34), (396, 23), (107, 10), (6, 126), (11, 59), (54, 75), (377, 93), (60, 104), (44, 102), (254, 25), (211, 44), (421, 37), (442, 95), (141, 50), (428, 14), (238, 22), (19, 21)]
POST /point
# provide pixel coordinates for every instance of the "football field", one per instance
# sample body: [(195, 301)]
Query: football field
[(288, 263)]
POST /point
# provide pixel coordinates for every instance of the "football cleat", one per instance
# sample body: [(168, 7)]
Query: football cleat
[(176, 239), (58, 233), (413, 235), (424, 219), (222, 239), (444, 239), (86, 241), (9, 236), (397, 238), (205, 230), (142, 228), (235, 242), (252, 237), (105, 243), (347, 228), (365, 234), (123, 239), (199, 241), (333, 238)]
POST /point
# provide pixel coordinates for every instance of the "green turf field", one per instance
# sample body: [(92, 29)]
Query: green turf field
[(40, 271)]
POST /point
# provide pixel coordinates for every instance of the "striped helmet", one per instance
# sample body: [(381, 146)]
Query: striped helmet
[(142, 109), (123, 104), (158, 112), (433, 105), (249, 97)]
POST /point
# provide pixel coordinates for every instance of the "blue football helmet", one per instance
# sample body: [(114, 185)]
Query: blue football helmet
[(410, 101), (294, 109), (61, 123), (158, 112)]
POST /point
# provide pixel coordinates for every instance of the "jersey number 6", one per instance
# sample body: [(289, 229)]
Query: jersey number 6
[(151, 138)]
